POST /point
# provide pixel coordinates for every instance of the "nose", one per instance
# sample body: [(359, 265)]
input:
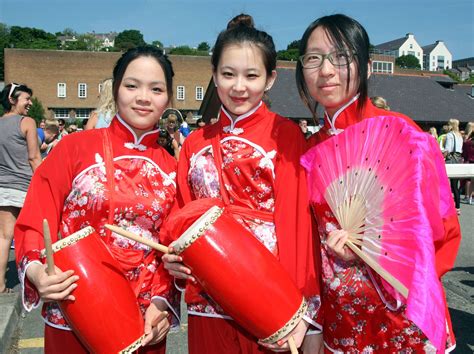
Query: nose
[(327, 68), (239, 84), (143, 96)]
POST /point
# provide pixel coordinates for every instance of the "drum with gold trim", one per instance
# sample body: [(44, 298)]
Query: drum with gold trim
[(241, 275), (105, 315)]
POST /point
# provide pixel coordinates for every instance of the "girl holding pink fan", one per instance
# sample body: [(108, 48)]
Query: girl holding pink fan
[(363, 197)]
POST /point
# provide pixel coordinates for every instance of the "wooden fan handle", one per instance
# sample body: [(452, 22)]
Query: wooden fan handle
[(380, 271), (48, 249), (134, 237)]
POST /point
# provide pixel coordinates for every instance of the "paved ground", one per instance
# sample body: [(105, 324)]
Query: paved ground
[(27, 338)]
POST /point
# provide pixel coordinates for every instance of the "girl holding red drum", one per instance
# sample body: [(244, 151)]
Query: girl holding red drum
[(358, 315), (124, 158), (250, 160)]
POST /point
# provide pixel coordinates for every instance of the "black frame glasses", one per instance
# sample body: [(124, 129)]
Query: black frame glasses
[(337, 58)]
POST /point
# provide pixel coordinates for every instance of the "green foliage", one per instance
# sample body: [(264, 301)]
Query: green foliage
[(186, 50), (293, 45), (204, 47), (129, 39), (87, 42), (4, 43), (26, 37), (408, 61), (36, 110), (157, 44), (289, 55), (2, 111)]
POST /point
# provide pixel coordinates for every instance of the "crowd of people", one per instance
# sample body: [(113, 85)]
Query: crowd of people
[(135, 166)]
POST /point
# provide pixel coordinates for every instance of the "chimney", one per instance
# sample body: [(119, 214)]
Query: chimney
[(409, 35)]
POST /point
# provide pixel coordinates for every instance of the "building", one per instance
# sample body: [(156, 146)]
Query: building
[(437, 57), (67, 83), (402, 46), (107, 40), (382, 63)]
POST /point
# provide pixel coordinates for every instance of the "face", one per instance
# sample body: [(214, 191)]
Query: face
[(22, 104), (241, 78), (42, 125), (142, 95), (303, 124), (328, 84), (162, 141), (201, 124)]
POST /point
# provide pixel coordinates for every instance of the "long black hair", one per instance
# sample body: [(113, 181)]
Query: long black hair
[(348, 35)]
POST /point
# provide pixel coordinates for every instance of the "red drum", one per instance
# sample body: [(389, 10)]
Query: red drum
[(105, 316), (241, 275)]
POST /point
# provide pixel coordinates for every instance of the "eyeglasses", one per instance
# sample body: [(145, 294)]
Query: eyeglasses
[(14, 86), (316, 60)]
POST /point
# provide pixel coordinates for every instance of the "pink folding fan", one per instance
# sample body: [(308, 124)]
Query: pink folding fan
[(380, 179)]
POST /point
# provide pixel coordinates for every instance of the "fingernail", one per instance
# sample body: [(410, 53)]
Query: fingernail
[(280, 343)]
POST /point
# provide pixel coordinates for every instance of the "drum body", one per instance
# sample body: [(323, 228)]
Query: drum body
[(241, 275), (105, 315)]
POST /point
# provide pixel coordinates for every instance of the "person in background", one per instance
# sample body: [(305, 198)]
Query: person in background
[(19, 158), (380, 102), (184, 127), (433, 133), (442, 136), (171, 125), (168, 143), (106, 109), (357, 315), (468, 155), (200, 123), (453, 147), (249, 160), (127, 179), (303, 123)]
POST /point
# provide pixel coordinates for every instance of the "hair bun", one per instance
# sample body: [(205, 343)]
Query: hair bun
[(241, 20)]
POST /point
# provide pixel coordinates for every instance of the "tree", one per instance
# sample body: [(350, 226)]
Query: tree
[(408, 61), (36, 110), (4, 43), (186, 50), (32, 38), (289, 55), (129, 39), (87, 42), (157, 44), (204, 47), (293, 45)]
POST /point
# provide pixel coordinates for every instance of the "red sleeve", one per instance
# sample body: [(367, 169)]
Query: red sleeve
[(48, 189), (299, 251)]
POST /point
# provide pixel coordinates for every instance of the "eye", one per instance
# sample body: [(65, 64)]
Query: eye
[(312, 58), (130, 86), (252, 76), (158, 89), (227, 74)]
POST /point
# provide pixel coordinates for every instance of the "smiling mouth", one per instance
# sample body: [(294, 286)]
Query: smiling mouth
[(239, 99)]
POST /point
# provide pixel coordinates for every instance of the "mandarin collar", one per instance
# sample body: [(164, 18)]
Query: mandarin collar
[(237, 126), (345, 116), (122, 130)]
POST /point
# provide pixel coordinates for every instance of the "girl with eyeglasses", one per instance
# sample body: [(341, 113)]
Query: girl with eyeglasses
[(249, 160), (19, 158), (358, 315), (116, 175)]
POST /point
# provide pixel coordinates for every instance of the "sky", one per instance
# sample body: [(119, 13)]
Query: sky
[(190, 22)]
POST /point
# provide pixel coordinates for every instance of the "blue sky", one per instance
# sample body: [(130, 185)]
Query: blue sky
[(189, 22)]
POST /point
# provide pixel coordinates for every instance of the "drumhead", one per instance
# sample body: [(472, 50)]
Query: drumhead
[(197, 229), (70, 240)]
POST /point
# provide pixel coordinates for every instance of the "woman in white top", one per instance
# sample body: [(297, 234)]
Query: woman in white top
[(453, 145)]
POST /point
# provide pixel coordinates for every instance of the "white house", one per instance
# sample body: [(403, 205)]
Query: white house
[(402, 46), (436, 56)]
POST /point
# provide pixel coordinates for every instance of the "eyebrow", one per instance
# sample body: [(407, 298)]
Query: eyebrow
[(137, 80)]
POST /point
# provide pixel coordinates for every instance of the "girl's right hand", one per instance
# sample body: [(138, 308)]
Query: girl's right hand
[(176, 268), (52, 287)]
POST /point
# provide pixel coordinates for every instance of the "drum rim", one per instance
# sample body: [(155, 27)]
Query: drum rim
[(133, 347), (200, 225), (289, 326), (70, 240)]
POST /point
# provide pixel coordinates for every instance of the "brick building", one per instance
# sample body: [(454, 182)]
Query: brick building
[(67, 82)]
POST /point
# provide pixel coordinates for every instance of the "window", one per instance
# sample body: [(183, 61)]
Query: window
[(199, 93), (61, 113), (100, 88), (82, 90), (410, 52), (411, 46), (382, 67), (83, 113), (180, 93), (61, 89)]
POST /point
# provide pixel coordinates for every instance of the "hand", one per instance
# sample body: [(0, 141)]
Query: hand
[(313, 344), (157, 324), (176, 268), (298, 334), (52, 287), (336, 242)]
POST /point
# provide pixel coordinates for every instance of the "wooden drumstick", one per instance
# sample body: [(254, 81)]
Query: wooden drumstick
[(48, 248), (135, 237), (292, 344)]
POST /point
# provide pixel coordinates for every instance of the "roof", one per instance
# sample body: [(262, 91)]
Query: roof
[(422, 98), (428, 48), (392, 45)]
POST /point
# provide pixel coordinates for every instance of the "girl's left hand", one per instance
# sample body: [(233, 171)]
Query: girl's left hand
[(336, 242), (157, 324), (297, 333)]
